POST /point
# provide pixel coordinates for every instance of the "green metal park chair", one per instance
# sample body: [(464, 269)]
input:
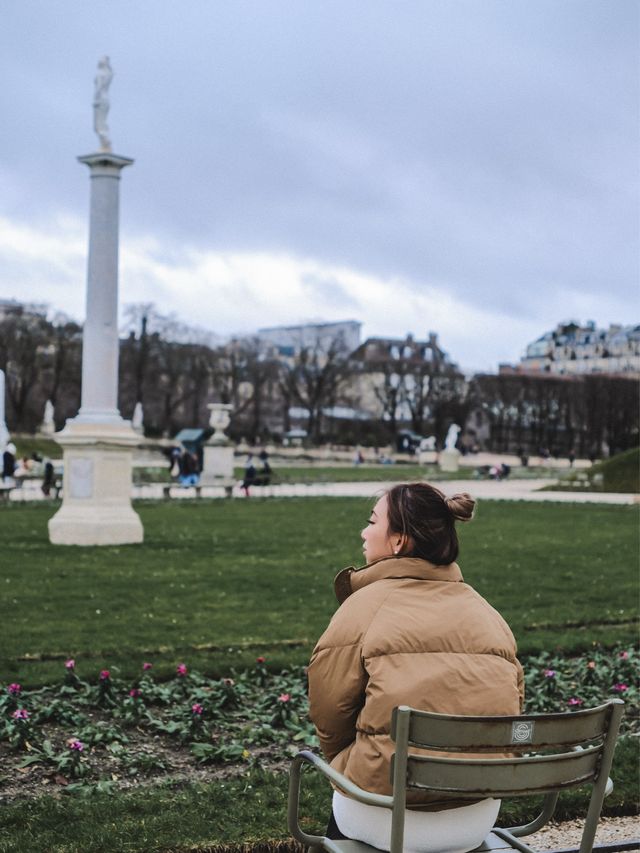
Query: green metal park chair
[(551, 752)]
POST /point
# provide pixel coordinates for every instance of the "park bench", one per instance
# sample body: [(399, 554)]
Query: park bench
[(551, 752), (227, 485)]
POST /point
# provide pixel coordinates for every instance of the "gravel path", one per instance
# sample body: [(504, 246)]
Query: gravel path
[(518, 490), (559, 836)]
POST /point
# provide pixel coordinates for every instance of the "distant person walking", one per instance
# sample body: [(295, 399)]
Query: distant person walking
[(249, 475), (48, 480), (189, 469), (8, 462), (265, 473)]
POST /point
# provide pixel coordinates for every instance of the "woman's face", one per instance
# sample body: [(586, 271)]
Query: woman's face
[(378, 542)]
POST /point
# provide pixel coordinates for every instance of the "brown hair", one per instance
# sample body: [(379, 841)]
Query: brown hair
[(426, 517)]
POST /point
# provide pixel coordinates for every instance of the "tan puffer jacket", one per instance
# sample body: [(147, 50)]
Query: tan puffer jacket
[(407, 633)]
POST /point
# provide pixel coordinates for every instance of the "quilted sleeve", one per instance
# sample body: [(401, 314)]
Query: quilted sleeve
[(337, 683)]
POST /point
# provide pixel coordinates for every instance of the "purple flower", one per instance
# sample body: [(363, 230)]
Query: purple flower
[(70, 664), (549, 673), (20, 714), (182, 670), (624, 655), (76, 744), (14, 689), (197, 709), (135, 693), (620, 687), (575, 701), (105, 675), (146, 665)]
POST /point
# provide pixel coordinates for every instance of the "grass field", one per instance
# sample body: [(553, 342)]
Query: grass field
[(621, 473), (218, 582)]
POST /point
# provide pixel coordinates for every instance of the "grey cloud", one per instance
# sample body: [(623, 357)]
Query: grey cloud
[(491, 146)]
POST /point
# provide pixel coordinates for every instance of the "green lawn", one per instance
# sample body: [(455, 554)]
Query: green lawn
[(620, 473), (218, 582)]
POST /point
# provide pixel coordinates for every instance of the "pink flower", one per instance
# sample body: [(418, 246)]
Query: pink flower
[(70, 664), (620, 687), (146, 665), (284, 697), (197, 709), (624, 655), (20, 714), (549, 673), (591, 664), (135, 693), (260, 659), (575, 701), (14, 689), (105, 675), (181, 669), (75, 744), (228, 682)]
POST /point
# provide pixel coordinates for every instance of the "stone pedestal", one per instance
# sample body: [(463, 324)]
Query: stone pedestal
[(218, 451), (218, 464), (449, 460), (96, 507)]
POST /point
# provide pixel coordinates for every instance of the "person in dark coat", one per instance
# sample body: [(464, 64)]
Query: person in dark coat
[(249, 475), (8, 462)]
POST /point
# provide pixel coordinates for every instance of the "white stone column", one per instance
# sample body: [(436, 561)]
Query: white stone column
[(100, 340), (98, 444)]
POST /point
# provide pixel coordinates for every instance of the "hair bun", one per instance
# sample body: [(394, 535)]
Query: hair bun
[(461, 506)]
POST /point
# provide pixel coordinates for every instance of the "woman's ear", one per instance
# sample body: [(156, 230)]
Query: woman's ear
[(399, 543), (402, 543)]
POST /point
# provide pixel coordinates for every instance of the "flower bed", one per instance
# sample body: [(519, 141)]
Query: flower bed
[(86, 736)]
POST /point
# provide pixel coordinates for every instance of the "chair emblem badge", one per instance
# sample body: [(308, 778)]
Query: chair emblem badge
[(522, 732)]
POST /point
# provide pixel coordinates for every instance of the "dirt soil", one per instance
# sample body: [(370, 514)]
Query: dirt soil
[(166, 761)]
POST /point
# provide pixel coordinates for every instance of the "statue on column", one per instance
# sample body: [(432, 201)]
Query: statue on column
[(101, 102)]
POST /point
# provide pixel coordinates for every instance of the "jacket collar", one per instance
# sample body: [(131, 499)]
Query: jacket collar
[(351, 579)]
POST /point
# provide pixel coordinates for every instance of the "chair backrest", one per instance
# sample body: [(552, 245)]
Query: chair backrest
[(563, 750)]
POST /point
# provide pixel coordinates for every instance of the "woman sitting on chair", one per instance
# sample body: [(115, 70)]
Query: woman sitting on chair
[(408, 631)]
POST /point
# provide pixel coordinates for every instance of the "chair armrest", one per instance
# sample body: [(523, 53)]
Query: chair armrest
[(306, 757)]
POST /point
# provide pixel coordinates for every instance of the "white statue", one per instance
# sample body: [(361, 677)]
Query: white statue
[(452, 437), (137, 421), (101, 103), (48, 424)]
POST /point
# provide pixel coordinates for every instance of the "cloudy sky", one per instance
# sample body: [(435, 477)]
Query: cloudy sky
[(463, 166)]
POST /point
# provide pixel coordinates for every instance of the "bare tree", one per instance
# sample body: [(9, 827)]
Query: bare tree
[(25, 345), (314, 379), (64, 367)]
